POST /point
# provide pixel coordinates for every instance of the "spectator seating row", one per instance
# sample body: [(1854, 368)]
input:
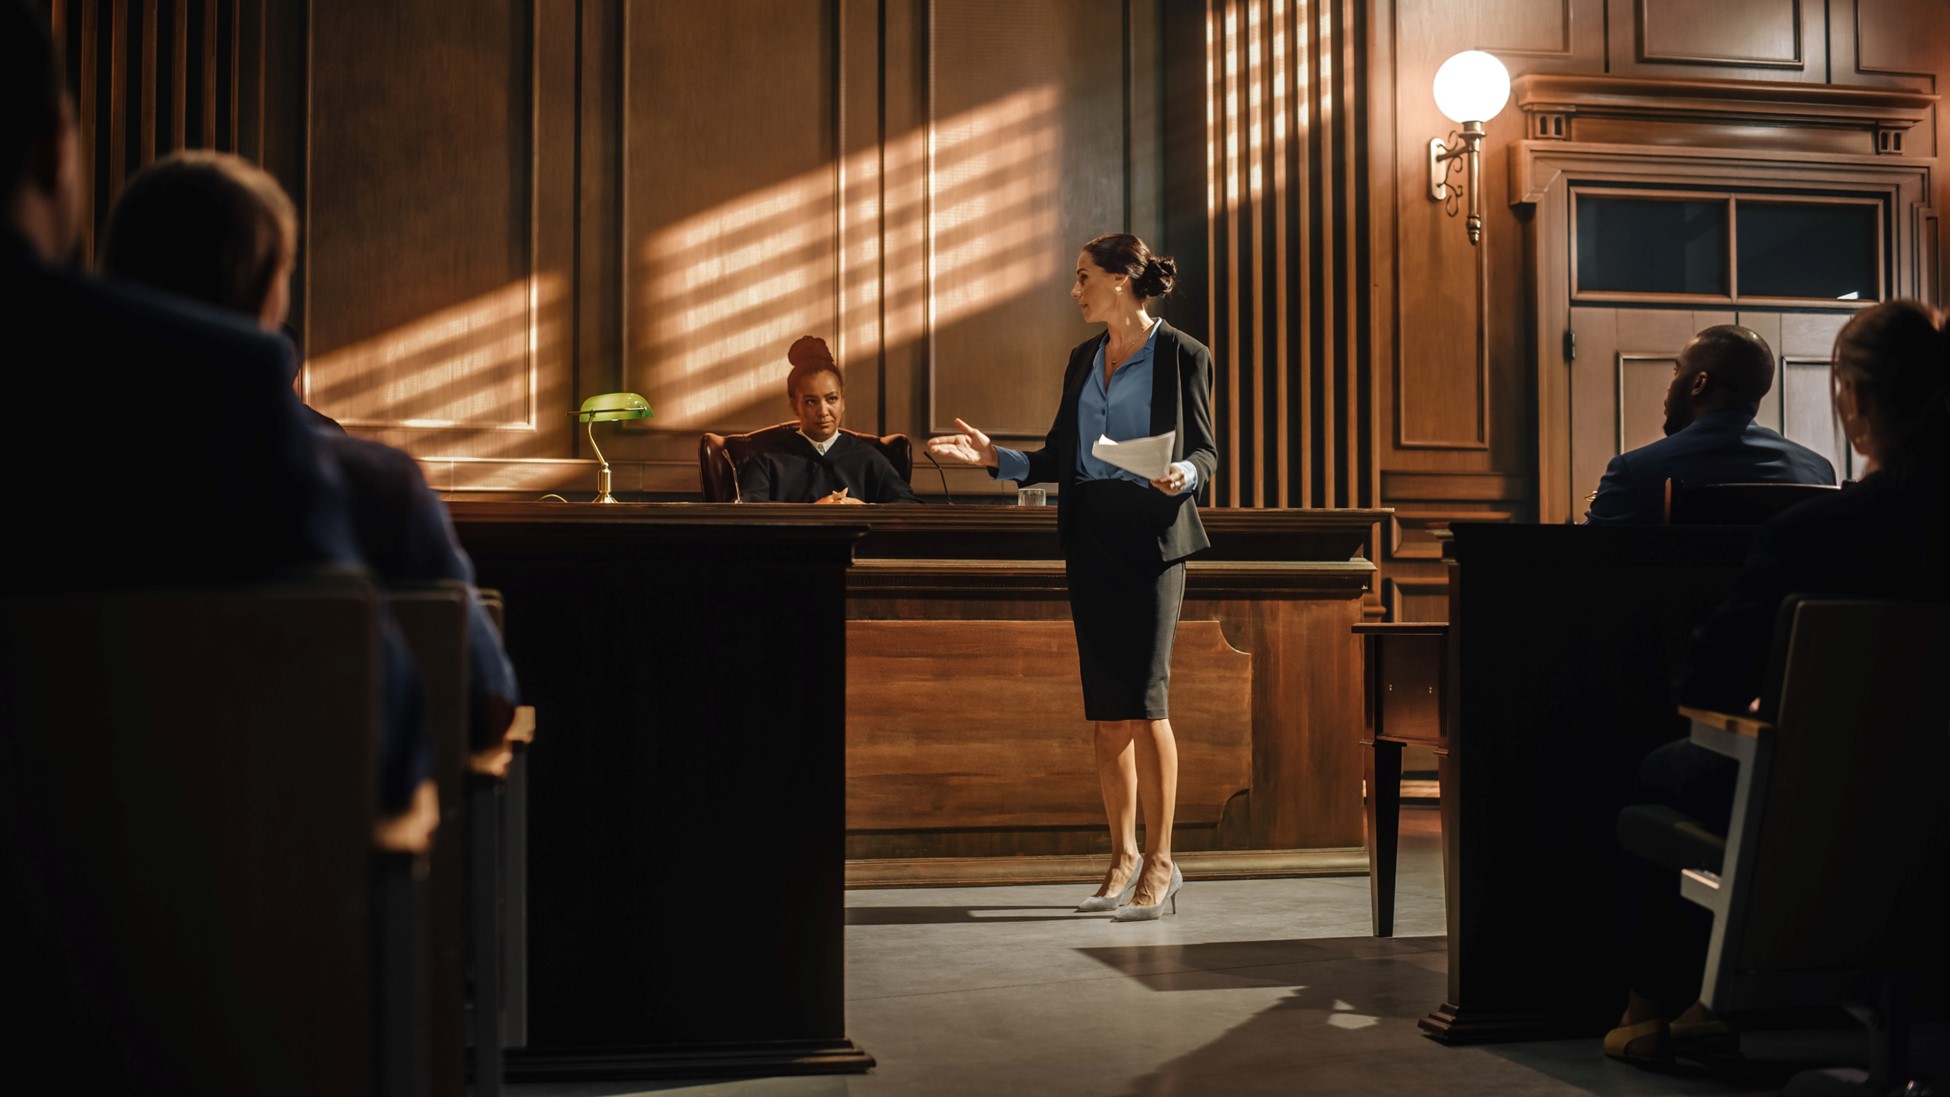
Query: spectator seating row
[(188, 787)]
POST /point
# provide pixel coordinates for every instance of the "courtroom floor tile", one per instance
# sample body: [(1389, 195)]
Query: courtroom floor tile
[(1254, 987)]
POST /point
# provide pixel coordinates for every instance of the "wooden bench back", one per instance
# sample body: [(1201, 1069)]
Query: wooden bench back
[(187, 789)]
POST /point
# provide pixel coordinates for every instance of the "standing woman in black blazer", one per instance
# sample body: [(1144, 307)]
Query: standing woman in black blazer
[(1125, 540)]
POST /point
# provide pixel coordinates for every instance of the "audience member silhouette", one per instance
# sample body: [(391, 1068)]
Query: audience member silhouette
[(216, 229), (232, 488), (1882, 537), (192, 466), (1718, 381)]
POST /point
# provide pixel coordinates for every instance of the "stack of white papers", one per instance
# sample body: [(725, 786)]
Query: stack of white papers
[(1148, 457)]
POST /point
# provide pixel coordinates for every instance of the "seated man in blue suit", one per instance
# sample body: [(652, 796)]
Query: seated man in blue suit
[(1711, 436)]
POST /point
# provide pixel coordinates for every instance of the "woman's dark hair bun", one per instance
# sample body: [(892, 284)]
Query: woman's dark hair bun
[(1160, 274)]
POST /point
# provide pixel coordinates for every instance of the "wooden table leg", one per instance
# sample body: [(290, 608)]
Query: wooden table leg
[(1384, 774)]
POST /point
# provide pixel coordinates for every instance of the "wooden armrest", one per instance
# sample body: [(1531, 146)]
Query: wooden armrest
[(1726, 721)]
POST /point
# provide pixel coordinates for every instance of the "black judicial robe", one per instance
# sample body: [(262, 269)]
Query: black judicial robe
[(792, 471)]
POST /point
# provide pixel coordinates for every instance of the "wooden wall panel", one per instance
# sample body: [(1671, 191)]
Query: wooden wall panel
[(426, 310), (1014, 760), (1027, 161), (730, 129), (1540, 35), (1754, 39), (1455, 389), (1900, 43), (1288, 220)]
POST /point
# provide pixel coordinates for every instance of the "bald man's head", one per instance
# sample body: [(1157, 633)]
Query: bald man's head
[(1724, 367)]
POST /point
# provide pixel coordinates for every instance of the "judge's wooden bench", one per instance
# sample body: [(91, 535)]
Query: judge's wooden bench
[(967, 755)]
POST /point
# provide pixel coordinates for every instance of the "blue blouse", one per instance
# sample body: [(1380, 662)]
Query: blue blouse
[(1120, 410)]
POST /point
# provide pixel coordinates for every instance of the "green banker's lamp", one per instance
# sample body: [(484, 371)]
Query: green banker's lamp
[(609, 407)]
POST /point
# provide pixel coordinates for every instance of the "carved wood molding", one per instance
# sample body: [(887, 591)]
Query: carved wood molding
[(1716, 102), (1537, 166)]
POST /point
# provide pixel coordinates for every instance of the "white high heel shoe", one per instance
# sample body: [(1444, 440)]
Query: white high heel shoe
[(1116, 899), (1135, 913)]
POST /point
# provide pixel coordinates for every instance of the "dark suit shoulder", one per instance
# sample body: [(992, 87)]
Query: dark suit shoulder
[(373, 461), (103, 310), (1184, 343)]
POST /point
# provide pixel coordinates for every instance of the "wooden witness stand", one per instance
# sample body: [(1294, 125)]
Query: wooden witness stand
[(725, 682)]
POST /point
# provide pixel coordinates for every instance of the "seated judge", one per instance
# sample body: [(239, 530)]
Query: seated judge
[(1711, 437), (218, 230), (819, 463)]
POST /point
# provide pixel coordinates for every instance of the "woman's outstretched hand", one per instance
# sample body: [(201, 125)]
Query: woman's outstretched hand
[(971, 446)]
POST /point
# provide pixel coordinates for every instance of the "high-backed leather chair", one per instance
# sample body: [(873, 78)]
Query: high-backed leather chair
[(719, 456), (1733, 504)]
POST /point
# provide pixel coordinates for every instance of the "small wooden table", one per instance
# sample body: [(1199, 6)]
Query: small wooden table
[(1405, 664)]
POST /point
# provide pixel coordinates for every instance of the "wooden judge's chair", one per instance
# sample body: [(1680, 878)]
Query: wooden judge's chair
[(719, 456), (1829, 888), (1734, 504)]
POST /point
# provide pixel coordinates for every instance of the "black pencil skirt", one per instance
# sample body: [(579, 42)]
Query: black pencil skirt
[(1124, 600)]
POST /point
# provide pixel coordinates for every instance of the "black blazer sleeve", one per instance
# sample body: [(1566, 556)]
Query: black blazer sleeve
[(1198, 442)]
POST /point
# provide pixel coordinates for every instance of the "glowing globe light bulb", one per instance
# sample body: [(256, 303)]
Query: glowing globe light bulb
[(1472, 86)]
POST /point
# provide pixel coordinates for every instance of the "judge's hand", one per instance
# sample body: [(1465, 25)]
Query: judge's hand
[(972, 446), (1172, 482), (839, 496)]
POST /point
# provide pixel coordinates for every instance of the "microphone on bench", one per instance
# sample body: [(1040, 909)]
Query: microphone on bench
[(737, 496), (944, 476)]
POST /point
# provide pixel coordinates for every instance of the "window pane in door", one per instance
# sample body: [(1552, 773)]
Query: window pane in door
[(1651, 245), (1791, 249)]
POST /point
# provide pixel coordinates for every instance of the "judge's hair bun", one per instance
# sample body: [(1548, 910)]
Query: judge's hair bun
[(809, 350), (810, 357)]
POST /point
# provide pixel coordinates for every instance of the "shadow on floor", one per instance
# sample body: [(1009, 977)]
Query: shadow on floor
[(940, 916), (1348, 1027)]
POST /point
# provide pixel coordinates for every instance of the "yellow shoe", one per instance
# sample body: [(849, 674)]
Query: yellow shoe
[(1654, 1052)]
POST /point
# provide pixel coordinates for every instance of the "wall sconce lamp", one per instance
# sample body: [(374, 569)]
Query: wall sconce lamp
[(609, 407), (1470, 88)]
